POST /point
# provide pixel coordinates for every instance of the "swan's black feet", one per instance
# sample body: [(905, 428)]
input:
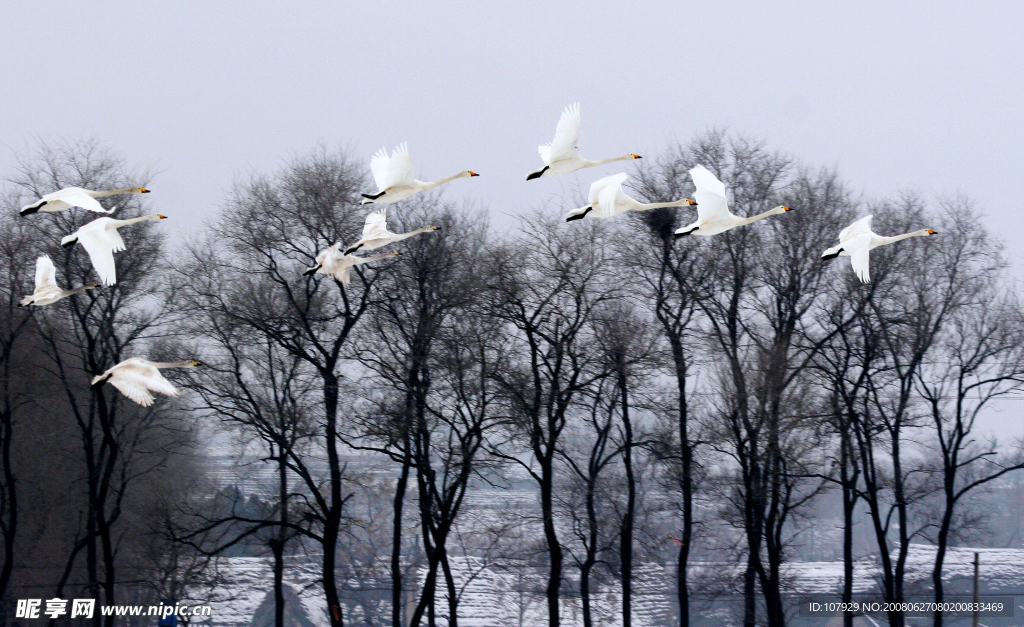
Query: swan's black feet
[(34, 208), (579, 216), (536, 175)]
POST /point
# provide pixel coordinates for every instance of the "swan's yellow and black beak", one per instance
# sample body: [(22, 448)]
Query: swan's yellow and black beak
[(930, 232), (196, 363), (162, 216), (472, 173), (692, 203), (636, 156), (143, 190), (785, 208)]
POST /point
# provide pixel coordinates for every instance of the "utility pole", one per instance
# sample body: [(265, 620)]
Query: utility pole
[(976, 600)]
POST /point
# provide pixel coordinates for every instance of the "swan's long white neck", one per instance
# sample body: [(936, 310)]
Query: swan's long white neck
[(78, 289), (761, 216), (174, 364), (432, 184), (882, 241), (120, 223), (113, 192), (657, 205), (397, 237), (591, 164)]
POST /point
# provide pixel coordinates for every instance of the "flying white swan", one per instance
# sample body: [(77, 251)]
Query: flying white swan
[(562, 154), (77, 197), (856, 242), (136, 378), (394, 177), (376, 233), (47, 292), (608, 200), (101, 240), (336, 264), (713, 215)]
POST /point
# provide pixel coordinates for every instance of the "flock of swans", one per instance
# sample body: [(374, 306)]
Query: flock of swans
[(137, 378)]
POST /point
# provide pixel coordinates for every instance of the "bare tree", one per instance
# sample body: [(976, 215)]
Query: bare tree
[(87, 334), (760, 320), (673, 278), (976, 357), (434, 352), (270, 229), (546, 293), (15, 277)]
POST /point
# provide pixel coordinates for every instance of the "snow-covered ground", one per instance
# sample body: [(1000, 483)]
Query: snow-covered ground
[(499, 595)]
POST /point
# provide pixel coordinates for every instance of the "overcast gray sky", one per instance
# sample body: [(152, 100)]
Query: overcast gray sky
[(908, 95)]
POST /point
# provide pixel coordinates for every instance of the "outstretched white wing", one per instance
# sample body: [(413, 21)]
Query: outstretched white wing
[(376, 225), (133, 390), (566, 143), (136, 378), (608, 191), (396, 170), (710, 195), (859, 227), (45, 272), (860, 257), (78, 197), (101, 243)]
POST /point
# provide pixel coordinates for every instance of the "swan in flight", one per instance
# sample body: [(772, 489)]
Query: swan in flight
[(101, 240), (47, 292), (608, 200), (376, 233), (136, 378), (77, 197), (562, 154), (713, 215), (394, 177), (856, 242), (337, 265)]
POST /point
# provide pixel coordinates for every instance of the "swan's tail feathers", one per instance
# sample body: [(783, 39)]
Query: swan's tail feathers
[(832, 253), (372, 196), (69, 240), (536, 175), (30, 209), (579, 216), (312, 270), (98, 382)]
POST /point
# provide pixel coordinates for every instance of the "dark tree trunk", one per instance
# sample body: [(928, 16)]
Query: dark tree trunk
[(396, 536), (553, 590), (848, 483), (626, 537), (332, 519)]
